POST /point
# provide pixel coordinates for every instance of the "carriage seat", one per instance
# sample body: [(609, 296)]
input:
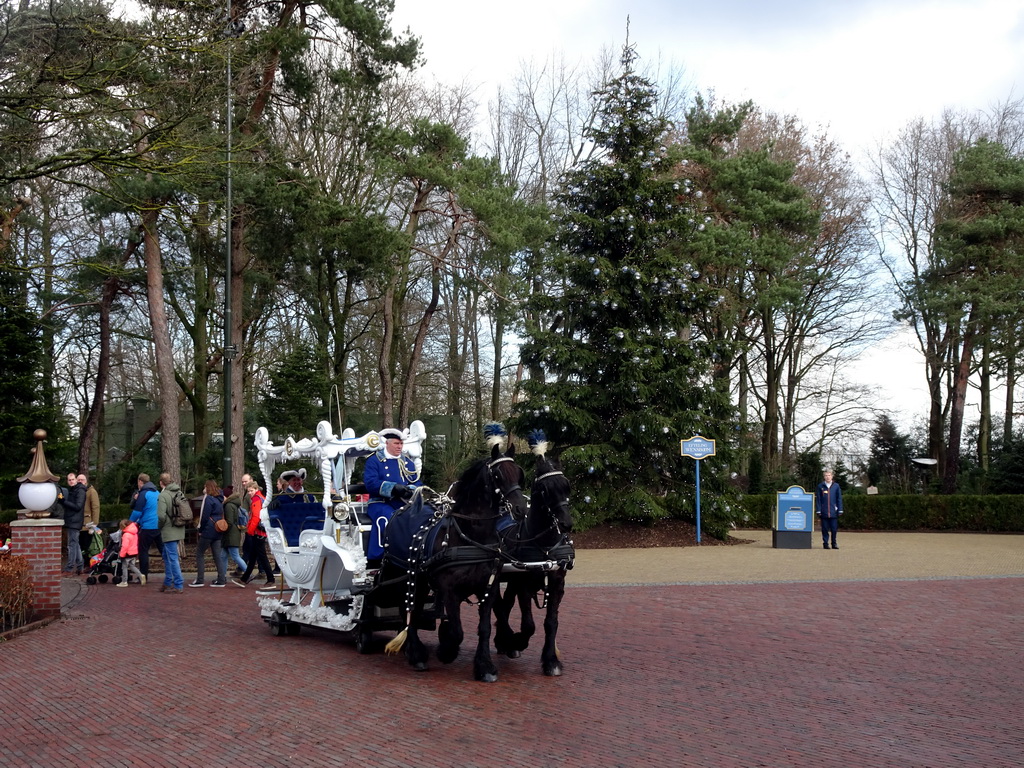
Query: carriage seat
[(296, 517)]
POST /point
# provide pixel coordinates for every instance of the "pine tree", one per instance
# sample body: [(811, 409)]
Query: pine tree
[(20, 386), (625, 374), (297, 395)]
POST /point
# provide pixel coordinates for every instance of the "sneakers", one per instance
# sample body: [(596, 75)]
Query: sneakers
[(166, 588), (238, 583), (142, 580), (218, 584), (178, 590), (121, 584), (238, 573), (197, 584)]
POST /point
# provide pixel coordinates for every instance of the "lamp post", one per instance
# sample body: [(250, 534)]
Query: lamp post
[(232, 30), (38, 491)]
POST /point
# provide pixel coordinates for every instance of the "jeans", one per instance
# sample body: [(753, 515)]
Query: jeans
[(829, 525), (75, 560), (172, 565), (218, 558), (234, 557), (148, 537)]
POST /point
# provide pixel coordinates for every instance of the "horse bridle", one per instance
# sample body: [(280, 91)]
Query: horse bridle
[(563, 504), (503, 493)]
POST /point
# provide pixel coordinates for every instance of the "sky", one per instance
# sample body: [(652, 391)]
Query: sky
[(859, 70)]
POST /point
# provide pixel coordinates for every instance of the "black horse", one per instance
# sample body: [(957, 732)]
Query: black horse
[(540, 552), (460, 558)]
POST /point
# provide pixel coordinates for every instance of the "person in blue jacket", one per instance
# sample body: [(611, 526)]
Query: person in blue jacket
[(829, 501), (144, 515), (390, 478)]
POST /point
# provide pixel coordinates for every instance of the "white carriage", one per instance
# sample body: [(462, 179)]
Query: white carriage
[(320, 546)]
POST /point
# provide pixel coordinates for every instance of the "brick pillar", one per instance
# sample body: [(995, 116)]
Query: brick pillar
[(38, 541)]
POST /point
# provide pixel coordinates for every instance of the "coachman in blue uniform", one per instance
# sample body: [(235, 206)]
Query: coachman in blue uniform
[(389, 478)]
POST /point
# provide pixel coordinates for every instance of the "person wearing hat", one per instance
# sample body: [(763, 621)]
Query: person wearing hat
[(293, 490), (389, 478)]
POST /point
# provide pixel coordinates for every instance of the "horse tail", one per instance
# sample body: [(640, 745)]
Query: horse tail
[(395, 645)]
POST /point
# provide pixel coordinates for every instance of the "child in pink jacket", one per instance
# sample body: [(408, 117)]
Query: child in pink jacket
[(129, 552)]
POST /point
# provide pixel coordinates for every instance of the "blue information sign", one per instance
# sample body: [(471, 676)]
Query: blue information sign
[(697, 447), (794, 510)]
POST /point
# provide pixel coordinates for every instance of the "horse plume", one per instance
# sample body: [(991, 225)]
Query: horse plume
[(495, 434), (538, 442)]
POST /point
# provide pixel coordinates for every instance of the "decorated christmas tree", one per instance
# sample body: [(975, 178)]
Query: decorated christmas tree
[(619, 374)]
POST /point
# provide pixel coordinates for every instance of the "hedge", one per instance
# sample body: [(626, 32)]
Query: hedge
[(982, 514)]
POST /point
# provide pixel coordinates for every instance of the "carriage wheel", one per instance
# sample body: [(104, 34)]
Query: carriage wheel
[(364, 641), (292, 628), (103, 578), (90, 579), (278, 628)]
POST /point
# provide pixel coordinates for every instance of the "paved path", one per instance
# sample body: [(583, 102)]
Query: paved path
[(896, 650)]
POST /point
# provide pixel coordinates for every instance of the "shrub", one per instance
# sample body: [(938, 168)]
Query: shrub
[(916, 512), (15, 592)]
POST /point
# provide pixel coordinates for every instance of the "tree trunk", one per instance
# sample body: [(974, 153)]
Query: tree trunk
[(409, 388), (985, 422), (958, 401), (169, 450), (93, 420)]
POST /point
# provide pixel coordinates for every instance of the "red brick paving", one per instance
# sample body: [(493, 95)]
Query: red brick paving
[(886, 673)]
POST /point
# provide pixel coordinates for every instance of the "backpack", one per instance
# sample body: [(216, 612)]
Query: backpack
[(243, 518), (181, 510)]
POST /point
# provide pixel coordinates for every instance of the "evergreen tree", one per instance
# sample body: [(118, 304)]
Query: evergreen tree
[(297, 397), (19, 381), (626, 375), (889, 466)]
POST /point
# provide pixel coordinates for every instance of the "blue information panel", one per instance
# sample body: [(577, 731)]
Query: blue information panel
[(794, 510)]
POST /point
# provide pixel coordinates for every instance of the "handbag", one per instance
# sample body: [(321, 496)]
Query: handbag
[(220, 525)]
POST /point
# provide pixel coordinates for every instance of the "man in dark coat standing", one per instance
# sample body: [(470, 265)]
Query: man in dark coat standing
[(74, 514), (829, 501)]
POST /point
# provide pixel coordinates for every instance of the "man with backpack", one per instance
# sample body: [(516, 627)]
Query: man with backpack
[(171, 534)]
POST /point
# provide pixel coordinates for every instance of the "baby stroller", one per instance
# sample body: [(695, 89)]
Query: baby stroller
[(106, 564)]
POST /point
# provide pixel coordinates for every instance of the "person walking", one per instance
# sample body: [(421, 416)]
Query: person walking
[(74, 506), (255, 545), (172, 536), (144, 515), (129, 552), (828, 498), (233, 535), (210, 537)]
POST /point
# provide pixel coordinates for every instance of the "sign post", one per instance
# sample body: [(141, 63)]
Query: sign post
[(697, 448)]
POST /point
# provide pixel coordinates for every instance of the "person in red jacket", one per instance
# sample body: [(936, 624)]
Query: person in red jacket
[(129, 552), (254, 548)]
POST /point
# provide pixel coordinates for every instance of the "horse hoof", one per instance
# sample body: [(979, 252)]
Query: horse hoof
[(555, 671), (513, 654), (490, 677), (420, 666)]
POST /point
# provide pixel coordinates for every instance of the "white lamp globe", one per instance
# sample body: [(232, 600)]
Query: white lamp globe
[(37, 497)]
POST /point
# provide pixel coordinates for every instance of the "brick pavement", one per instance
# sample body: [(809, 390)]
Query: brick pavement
[(869, 672)]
